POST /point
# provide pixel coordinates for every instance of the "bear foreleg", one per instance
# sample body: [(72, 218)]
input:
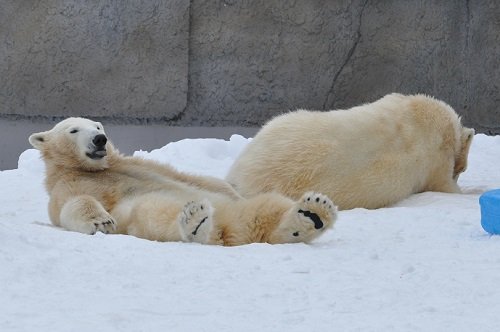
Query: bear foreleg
[(86, 215)]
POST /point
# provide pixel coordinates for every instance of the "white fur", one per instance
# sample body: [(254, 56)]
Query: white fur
[(368, 156), (112, 193)]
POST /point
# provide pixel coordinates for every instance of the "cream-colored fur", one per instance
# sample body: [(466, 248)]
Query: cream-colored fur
[(369, 156), (92, 187)]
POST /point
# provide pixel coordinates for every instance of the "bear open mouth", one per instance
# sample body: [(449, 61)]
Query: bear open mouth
[(97, 154)]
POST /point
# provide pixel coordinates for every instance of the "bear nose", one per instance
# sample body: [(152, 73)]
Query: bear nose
[(100, 140)]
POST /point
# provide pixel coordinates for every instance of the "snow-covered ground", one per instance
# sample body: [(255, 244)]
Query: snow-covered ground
[(422, 265)]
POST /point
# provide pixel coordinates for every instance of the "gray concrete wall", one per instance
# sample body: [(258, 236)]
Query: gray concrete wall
[(107, 58), (238, 63)]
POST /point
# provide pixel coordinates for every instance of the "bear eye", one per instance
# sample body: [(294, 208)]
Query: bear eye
[(74, 131), (98, 128)]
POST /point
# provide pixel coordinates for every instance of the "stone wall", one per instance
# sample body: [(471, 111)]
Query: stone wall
[(107, 58), (238, 63)]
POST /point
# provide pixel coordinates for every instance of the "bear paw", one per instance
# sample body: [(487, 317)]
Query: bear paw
[(105, 224), (196, 221), (314, 213), (318, 209), (85, 215)]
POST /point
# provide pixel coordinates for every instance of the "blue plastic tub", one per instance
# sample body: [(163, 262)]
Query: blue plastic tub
[(490, 211)]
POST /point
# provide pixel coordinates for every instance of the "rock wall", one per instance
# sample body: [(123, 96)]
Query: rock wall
[(96, 58), (238, 63)]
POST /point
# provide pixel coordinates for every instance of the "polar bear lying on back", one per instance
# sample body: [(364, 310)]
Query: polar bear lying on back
[(369, 156), (92, 187)]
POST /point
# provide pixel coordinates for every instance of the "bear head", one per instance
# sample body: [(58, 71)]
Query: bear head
[(462, 150), (76, 143)]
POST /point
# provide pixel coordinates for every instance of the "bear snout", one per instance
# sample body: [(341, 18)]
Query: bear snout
[(100, 141)]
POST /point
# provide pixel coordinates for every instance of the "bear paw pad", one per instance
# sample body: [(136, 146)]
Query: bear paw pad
[(196, 221), (318, 208)]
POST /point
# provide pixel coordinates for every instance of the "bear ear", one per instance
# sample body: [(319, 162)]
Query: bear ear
[(38, 139), (461, 157), (467, 135)]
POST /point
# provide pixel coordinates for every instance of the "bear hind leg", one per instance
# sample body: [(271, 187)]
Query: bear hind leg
[(196, 221), (306, 219)]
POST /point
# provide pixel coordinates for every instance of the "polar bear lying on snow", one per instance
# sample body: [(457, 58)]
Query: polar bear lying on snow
[(369, 156), (92, 187)]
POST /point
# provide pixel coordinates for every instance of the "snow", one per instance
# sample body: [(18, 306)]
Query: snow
[(424, 264)]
